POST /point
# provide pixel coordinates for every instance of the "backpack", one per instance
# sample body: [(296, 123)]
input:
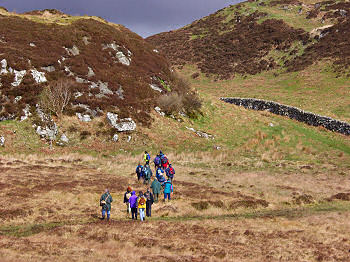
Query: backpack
[(148, 173), (164, 160), (157, 160), (139, 169), (142, 201), (148, 157), (171, 171)]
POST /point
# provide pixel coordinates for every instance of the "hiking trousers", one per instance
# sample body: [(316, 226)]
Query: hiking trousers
[(142, 214), (104, 211), (134, 213), (166, 195), (155, 197), (148, 208)]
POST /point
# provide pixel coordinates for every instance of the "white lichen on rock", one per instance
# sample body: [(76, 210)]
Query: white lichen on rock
[(26, 112), (113, 46), (156, 88), (159, 111), (48, 68), (39, 77), (86, 40), (83, 118), (115, 138), (91, 72), (120, 93), (2, 141), (103, 86), (18, 77), (123, 58), (74, 51), (122, 125), (3, 70)]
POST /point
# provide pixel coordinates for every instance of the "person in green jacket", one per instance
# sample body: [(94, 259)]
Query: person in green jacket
[(105, 202), (155, 189)]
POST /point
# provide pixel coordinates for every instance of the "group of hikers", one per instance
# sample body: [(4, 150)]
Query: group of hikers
[(142, 203)]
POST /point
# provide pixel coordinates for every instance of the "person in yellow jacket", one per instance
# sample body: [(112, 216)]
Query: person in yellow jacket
[(146, 158), (142, 206)]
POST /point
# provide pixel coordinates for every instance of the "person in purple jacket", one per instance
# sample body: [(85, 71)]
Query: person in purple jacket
[(133, 205)]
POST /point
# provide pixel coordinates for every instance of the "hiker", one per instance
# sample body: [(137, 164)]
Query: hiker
[(164, 161), (155, 189), (149, 202), (168, 189), (127, 195), (147, 158), (147, 174), (139, 169), (156, 162), (105, 202), (161, 179), (133, 205), (142, 206), (170, 172), (159, 172)]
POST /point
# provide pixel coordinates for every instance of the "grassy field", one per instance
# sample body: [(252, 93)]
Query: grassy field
[(217, 214), (265, 188), (275, 192)]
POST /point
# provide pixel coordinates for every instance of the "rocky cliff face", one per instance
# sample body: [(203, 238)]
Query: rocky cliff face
[(113, 68)]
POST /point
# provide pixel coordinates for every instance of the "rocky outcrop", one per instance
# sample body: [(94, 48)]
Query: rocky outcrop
[(63, 140), (26, 112), (2, 141), (200, 133), (83, 118), (121, 125), (49, 130), (291, 112), (115, 138)]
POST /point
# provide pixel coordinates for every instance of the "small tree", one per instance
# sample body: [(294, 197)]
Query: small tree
[(56, 96)]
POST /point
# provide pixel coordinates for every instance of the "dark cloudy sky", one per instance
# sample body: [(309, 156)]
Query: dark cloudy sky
[(145, 17)]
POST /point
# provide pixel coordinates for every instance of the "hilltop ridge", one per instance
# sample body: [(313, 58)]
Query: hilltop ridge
[(256, 36), (113, 68)]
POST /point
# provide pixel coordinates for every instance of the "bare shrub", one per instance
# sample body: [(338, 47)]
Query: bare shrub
[(174, 103), (56, 96), (170, 103), (181, 83), (191, 103), (184, 99)]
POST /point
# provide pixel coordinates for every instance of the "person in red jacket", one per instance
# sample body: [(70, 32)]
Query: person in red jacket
[(164, 161)]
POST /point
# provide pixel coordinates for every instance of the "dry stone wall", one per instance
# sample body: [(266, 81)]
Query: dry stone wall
[(291, 112)]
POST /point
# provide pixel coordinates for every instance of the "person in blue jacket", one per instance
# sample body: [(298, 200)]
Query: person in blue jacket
[(168, 190), (139, 170), (161, 179), (159, 172)]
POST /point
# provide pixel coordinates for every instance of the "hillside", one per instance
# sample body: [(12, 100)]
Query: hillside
[(113, 68), (257, 36), (249, 185)]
